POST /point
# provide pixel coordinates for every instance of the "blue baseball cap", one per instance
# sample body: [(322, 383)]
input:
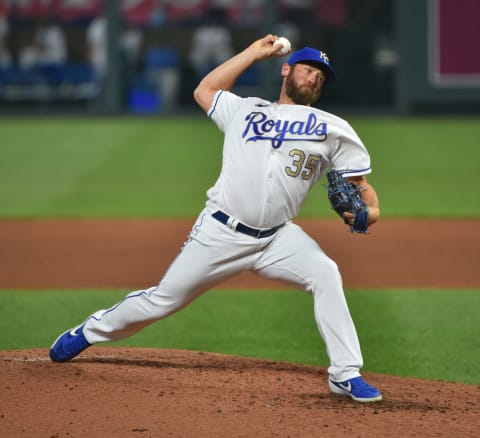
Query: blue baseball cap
[(307, 55)]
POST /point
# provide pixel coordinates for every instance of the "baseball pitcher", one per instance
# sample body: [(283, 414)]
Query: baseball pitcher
[(273, 153)]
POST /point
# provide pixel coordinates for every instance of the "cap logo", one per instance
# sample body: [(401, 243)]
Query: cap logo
[(324, 57)]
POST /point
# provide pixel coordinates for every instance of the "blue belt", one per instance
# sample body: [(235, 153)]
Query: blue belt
[(241, 228)]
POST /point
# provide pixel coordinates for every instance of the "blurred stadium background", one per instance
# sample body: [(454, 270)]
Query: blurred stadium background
[(139, 56)]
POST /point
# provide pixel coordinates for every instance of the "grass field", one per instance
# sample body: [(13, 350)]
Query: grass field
[(163, 167), (69, 167), (406, 333)]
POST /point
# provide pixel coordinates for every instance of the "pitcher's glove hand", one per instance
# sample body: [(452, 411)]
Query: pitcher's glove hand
[(344, 196)]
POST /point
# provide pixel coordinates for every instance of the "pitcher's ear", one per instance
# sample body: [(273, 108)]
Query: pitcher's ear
[(286, 69)]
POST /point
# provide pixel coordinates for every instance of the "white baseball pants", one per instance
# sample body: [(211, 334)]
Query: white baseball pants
[(213, 253)]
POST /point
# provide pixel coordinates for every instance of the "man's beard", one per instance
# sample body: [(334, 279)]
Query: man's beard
[(300, 95)]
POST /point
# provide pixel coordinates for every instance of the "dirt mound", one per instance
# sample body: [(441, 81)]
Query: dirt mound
[(127, 392)]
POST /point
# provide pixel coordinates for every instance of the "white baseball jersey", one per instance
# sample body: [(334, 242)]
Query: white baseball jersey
[(273, 154)]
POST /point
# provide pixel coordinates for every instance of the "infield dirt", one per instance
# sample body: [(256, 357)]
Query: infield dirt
[(126, 392)]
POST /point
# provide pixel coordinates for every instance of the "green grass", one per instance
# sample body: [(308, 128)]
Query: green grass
[(127, 167), (424, 166), (420, 333), (106, 167)]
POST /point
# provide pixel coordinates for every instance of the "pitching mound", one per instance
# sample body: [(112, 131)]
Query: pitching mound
[(127, 392)]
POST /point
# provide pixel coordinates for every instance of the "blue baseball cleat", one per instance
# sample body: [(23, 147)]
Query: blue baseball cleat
[(356, 388), (68, 345)]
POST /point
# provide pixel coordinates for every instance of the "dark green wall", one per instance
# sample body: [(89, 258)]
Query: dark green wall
[(414, 88)]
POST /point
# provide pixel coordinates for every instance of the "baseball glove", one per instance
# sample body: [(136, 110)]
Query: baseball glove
[(344, 197)]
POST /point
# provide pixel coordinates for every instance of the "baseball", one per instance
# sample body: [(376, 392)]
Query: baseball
[(286, 46)]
